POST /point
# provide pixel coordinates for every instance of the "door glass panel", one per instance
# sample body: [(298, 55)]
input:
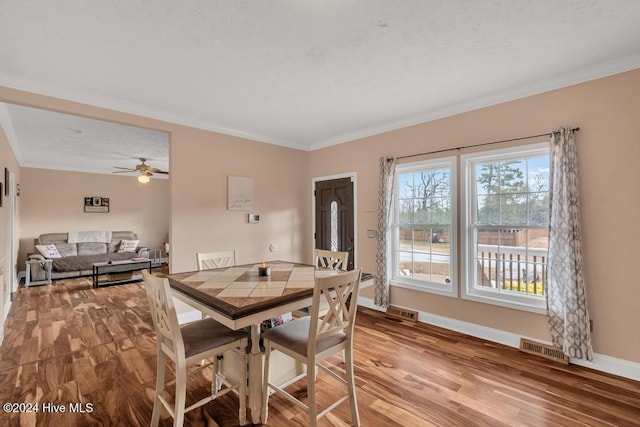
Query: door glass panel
[(334, 226)]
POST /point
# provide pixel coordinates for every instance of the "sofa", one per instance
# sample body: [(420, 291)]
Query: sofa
[(75, 252)]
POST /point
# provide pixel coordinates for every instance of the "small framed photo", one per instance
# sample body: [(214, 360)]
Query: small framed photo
[(1, 195), (6, 182), (95, 204)]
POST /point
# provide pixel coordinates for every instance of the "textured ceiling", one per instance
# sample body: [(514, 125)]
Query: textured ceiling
[(308, 74), (64, 142)]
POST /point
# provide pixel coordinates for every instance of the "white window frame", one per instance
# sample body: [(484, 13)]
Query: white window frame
[(535, 304), (450, 289)]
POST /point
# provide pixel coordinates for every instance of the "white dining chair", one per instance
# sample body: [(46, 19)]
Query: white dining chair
[(312, 339), (331, 259), (186, 345), (326, 259), (210, 260)]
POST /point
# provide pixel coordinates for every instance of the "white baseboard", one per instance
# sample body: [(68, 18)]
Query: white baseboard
[(611, 365), (601, 362)]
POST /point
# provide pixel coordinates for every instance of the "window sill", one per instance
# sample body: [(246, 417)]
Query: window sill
[(537, 305), (422, 286)]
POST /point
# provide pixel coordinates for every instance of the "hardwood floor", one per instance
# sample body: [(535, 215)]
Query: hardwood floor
[(68, 343)]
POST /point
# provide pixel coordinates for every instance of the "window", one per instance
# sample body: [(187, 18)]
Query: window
[(424, 226), (505, 226)]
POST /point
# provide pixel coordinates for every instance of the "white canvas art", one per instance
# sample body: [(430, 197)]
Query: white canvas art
[(240, 193)]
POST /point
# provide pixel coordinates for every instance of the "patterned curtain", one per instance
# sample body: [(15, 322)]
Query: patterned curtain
[(385, 213), (566, 296)]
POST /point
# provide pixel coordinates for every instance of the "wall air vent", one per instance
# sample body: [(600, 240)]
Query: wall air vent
[(402, 313), (544, 350)]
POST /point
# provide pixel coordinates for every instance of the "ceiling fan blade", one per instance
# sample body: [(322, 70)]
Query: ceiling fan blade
[(156, 170), (142, 169)]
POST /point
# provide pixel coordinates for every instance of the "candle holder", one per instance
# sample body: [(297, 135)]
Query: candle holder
[(264, 270)]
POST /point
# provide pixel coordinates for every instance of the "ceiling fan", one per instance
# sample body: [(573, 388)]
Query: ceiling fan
[(143, 169)]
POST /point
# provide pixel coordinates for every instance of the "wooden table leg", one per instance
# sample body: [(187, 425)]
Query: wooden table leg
[(255, 375)]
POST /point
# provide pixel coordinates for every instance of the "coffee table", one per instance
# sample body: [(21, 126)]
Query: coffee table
[(101, 268)]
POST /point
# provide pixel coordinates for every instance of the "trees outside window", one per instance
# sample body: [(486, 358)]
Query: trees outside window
[(504, 226), (425, 242), (506, 206)]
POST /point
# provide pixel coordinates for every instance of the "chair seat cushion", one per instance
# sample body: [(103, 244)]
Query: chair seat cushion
[(205, 334), (294, 335)]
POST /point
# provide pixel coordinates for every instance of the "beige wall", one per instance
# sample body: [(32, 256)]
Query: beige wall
[(608, 112), (7, 160), (52, 201), (200, 162)]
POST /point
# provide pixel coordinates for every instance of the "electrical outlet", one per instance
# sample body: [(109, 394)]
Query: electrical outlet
[(371, 234)]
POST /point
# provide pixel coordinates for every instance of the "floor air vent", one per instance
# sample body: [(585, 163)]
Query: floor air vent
[(544, 350), (402, 313)]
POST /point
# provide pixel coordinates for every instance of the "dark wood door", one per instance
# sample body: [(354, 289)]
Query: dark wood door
[(335, 216)]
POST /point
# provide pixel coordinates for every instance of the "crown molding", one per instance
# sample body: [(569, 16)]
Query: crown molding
[(558, 81), (555, 82), (86, 170), (135, 109)]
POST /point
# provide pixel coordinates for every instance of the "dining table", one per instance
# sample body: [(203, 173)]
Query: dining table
[(246, 295)]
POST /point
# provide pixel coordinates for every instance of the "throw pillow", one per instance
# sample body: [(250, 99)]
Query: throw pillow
[(48, 251), (128, 245)]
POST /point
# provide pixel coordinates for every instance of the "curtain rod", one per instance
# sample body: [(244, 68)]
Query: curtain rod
[(483, 144)]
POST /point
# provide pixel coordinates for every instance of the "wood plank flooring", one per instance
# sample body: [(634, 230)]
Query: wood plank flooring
[(68, 343)]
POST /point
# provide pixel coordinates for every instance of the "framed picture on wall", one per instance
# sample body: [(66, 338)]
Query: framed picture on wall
[(6, 182), (95, 204), (1, 195), (240, 193)]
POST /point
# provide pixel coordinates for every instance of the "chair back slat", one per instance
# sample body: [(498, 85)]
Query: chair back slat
[(220, 259), (331, 259), (163, 313), (340, 292)]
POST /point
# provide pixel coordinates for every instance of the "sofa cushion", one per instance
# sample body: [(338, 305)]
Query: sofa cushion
[(48, 238), (92, 248), (67, 249), (85, 262), (113, 245)]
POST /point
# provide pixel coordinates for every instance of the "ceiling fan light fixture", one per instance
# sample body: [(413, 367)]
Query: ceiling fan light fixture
[(143, 169)]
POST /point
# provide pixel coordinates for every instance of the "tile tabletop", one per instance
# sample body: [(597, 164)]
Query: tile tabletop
[(239, 291)]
